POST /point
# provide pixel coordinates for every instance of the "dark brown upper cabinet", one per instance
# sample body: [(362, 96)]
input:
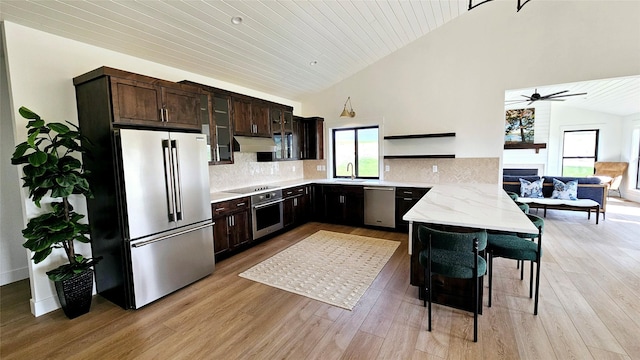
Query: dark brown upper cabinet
[(250, 117), (144, 101), (310, 137)]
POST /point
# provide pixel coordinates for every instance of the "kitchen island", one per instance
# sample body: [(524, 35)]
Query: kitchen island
[(480, 206)]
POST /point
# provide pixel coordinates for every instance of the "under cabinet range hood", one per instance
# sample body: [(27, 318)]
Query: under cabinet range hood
[(253, 144)]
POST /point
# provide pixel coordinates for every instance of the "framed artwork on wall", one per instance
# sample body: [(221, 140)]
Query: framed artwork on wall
[(519, 126)]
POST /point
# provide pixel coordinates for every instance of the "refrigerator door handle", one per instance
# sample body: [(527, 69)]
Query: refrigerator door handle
[(168, 169), (151, 241), (177, 181)]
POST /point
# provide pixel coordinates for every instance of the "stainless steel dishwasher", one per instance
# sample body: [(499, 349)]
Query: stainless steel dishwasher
[(380, 206)]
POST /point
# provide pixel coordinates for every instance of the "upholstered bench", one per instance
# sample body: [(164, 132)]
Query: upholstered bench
[(590, 194), (558, 204)]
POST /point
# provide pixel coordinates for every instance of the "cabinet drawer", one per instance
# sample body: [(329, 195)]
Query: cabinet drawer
[(230, 206), (294, 191), (411, 193)]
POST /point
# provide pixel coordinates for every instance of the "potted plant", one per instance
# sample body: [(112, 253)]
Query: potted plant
[(52, 168)]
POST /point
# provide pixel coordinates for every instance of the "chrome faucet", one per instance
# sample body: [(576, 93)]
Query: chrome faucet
[(351, 165)]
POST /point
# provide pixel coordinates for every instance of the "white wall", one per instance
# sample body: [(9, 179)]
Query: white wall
[(564, 118), (454, 78), (41, 67), (13, 257), (630, 146)]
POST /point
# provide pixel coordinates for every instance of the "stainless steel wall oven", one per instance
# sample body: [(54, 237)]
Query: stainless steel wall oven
[(266, 211)]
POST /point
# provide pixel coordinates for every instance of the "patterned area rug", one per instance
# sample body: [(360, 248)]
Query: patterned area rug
[(331, 267)]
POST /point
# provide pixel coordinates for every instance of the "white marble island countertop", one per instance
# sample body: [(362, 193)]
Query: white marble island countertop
[(482, 206)]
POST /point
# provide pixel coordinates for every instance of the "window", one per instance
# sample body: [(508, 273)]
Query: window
[(580, 153), (358, 146), (638, 169)]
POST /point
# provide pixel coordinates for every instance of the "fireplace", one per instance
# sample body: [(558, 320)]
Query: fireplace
[(520, 171)]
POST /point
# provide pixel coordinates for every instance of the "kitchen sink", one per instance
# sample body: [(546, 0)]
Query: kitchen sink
[(347, 180)]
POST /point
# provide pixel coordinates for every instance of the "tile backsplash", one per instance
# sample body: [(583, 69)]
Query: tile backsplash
[(448, 171), (315, 169), (246, 171)]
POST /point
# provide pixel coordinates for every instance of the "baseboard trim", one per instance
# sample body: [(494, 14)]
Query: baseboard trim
[(14, 275), (44, 306)]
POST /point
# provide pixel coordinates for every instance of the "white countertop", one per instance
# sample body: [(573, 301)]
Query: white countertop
[(224, 196), (483, 206)]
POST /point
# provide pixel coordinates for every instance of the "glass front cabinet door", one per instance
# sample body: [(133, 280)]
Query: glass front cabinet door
[(223, 137)]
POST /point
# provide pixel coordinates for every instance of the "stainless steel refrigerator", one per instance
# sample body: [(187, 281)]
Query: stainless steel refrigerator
[(163, 237)]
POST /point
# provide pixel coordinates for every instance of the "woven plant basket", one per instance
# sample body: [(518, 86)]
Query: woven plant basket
[(75, 294)]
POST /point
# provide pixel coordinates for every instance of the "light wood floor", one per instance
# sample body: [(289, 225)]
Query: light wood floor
[(589, 308)]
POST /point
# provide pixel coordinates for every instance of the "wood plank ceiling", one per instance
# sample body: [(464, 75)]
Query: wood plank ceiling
[(273, 49), (617, 96)]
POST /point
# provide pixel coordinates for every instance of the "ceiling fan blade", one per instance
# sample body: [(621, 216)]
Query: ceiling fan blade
[(525, 96), (550, 95), (559, 96)]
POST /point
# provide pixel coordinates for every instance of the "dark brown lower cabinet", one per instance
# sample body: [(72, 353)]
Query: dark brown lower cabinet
[(406, 197), (339, 204), (296, 205), (232, 228)]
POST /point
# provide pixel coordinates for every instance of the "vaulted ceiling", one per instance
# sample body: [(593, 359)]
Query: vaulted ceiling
[(618, 96), (288, 48), (285, 48)]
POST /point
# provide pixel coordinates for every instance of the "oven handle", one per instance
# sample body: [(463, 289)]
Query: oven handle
[(260, 206)]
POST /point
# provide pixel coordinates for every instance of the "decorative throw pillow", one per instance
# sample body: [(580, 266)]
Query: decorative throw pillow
[(529, 189), (562, 191)]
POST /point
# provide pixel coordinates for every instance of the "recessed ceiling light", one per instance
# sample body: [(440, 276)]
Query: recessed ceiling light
[(236, 20), (314, 62)]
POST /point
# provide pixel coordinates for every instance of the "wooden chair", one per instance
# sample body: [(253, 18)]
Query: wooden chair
[(611, 173)]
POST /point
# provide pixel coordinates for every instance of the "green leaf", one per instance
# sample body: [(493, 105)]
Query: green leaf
[(62, 192), (20, 160), (59, 128), (66, 180), (28, 114), (68, 163), (38, 158), (41, 255), (37, 124), (32, 171), (38, 194), (52, 160), (31, 140), (20, 150)]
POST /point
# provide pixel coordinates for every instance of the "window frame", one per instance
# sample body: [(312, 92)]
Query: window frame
[(594, 157), (638, 169), (355, 142)]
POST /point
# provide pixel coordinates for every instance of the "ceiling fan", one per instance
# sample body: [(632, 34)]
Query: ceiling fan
[(537, 97)]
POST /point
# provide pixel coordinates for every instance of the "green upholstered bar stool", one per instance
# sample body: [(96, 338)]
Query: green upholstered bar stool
[(524, 207), (455, 255), (512, 195), (522, 247), (539, 224)]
